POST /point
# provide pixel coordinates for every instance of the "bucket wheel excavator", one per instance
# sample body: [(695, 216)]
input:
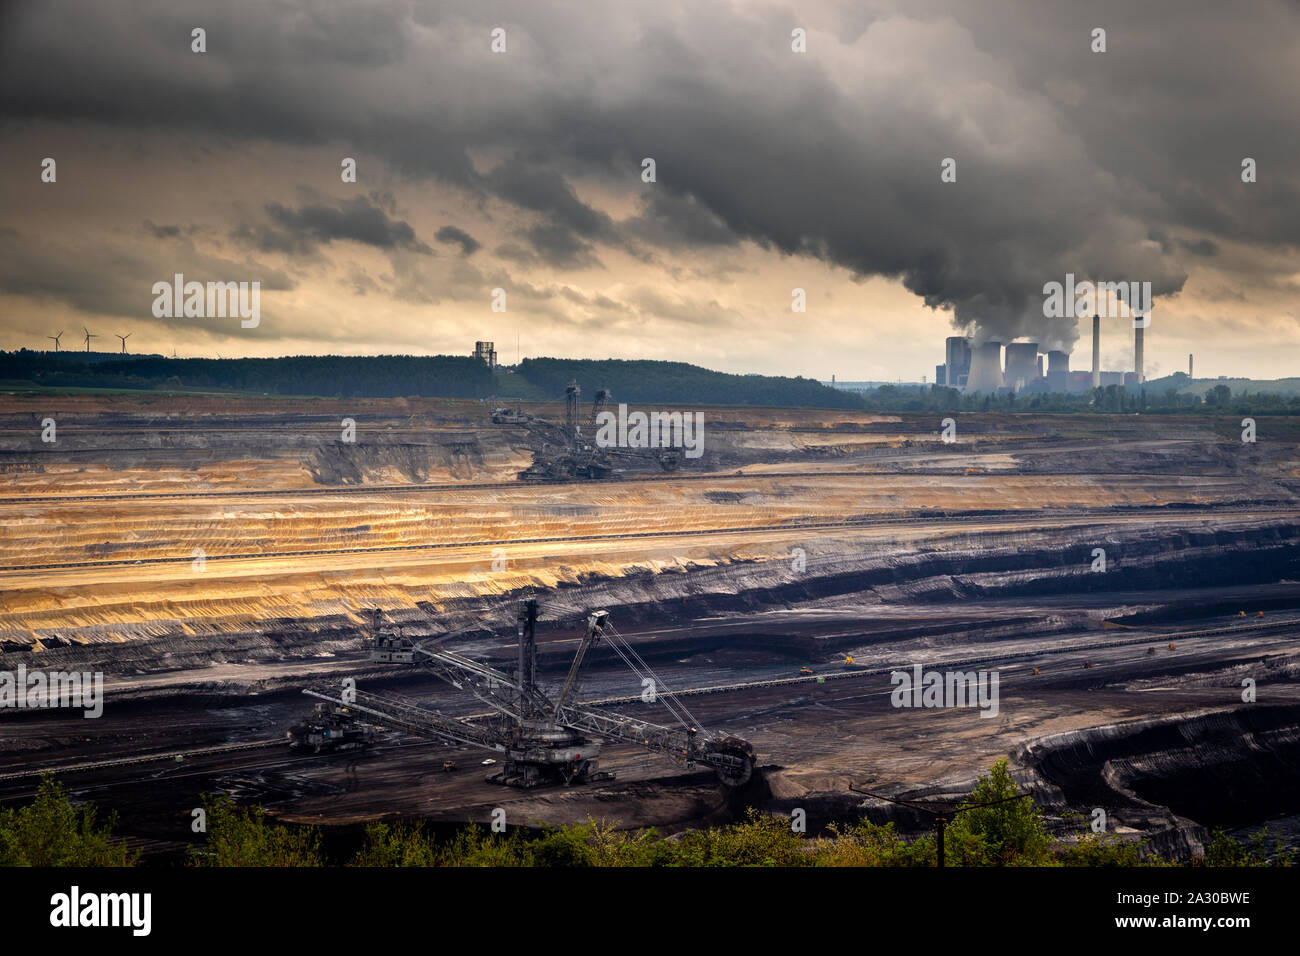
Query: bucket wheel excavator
[(565, 454), (545, 739)]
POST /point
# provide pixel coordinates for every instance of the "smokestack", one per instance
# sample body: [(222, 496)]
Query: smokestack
[(985, 369), (1137, 354), (1096, 351), (1189, 365)]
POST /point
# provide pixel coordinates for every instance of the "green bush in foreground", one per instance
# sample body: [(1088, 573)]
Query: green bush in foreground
[(993, 831), (239, 836), (993, 828), (52, 831), (1225, 851)]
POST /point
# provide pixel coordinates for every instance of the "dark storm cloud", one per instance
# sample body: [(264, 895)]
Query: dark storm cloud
[(302, 230), (1067, 160), (450, 234), (527, 183), (558, 245), (162, 232), (1200, 247), (563, 237), (668, 220)]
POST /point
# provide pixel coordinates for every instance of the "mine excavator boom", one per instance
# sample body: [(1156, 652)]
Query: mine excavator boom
[(589, 639), (544, 741)]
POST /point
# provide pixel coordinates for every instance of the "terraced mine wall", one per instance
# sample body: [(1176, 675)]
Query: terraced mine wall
[(1165, 782), (982, 567), (1175, 779)]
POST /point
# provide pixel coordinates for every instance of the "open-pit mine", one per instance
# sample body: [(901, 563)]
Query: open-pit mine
[(1130, 580)]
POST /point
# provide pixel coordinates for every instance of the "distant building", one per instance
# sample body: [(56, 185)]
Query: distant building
[(486, 352), (956, 360), (1079, 381)]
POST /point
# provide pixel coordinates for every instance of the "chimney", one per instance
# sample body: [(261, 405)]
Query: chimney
[(1189, 365), (1137, 354), (1096, 351)]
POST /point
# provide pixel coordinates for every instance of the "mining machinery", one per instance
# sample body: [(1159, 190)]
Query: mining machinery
[(566, 454), (328, 728), (603, 396), (668, 458), (546, 739), (504, 415)]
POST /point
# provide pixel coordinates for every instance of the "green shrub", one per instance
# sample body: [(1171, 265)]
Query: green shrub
[(52, 831), (240, 836), (1006, 832)]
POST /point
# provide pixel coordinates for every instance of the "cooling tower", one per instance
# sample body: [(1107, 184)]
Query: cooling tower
[(985, 368), (1058, 361), (1022, 363)]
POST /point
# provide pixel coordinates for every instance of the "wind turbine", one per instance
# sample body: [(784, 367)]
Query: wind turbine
[(89, 335), (56, 339), (124, 338)]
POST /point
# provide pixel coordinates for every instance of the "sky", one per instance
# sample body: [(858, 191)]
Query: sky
[(774, 170)]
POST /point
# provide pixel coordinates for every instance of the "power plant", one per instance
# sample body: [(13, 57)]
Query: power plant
[(986, 370), (956, 365), (1096, 351), (1022, 364), (1137, 353)]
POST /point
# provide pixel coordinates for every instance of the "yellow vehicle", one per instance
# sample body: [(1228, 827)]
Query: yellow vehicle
[(805, 671)]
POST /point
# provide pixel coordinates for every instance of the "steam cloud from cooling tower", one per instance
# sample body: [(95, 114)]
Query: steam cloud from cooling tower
[(828, 186)]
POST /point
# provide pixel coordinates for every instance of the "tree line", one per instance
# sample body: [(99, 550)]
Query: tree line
[(342, 376), (677, 383), (994, 830)]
